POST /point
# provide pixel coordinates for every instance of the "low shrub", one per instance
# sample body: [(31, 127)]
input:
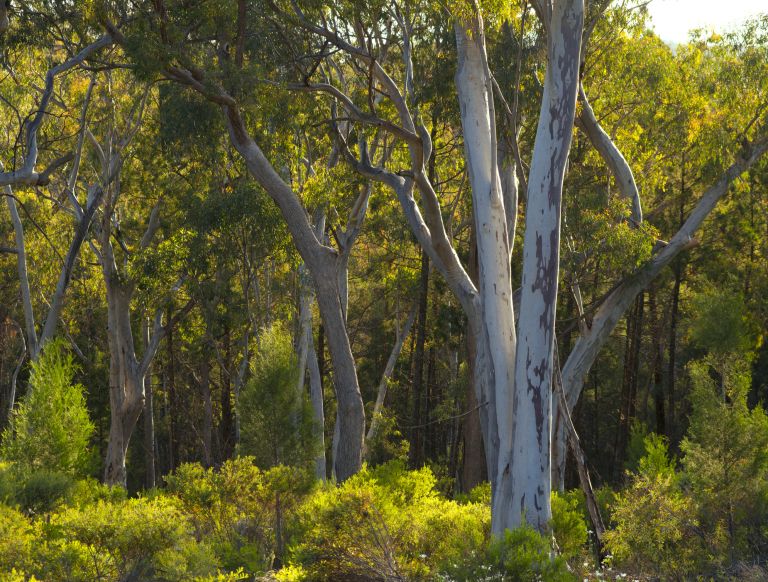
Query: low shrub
[(385, 523), (239, 509)]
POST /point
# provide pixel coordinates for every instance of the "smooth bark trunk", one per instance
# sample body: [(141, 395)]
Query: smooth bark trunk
[(525, 483), (321, 262), (495, 332), (381, 394)]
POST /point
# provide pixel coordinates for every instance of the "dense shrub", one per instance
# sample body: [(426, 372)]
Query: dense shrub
[(725, 460), (239, 509), (655, 525), (386, 524), (568, 523), (50, 428), (17, 537), (132, 539)]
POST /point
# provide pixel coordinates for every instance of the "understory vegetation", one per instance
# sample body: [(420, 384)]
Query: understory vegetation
[(381, 291), (702, 512)]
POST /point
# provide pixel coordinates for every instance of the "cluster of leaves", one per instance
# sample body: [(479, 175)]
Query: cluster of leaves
[(707, 516), (50, 428)]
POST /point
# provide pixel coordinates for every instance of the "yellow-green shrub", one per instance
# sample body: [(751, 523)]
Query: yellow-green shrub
[(568, 524), (655, 523), (237, 507), (386, 523), (17, 539), (139, 538)]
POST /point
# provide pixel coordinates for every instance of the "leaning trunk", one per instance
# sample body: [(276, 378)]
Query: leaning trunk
[(321, 262)]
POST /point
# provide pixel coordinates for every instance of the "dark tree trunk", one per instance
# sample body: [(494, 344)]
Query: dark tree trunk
[(672, 349), (474, 466), (205, 392), (173, 397), (417, 446), (658, 359), (225, 428)]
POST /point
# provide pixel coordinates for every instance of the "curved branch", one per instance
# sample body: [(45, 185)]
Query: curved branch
[(588, 346), (618, 165), (27, 174)]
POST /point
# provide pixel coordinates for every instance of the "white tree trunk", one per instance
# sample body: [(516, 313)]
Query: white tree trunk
[(21, 267), (494, 334), (524, 487), (614, 159)]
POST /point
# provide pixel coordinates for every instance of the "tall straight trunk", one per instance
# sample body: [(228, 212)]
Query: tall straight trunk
[(494, 333), (173, 398), (308, 359), (629, 383), (658, 359), (525, 483), (637, 346), (149, 419), (416, 445), (205, 392), (318, 412), (559, 452), (226, 426), (672, 348), (473, 468), (474, 465), (429, 439)]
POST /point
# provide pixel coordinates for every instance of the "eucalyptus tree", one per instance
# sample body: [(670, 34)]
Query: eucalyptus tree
[(126, 247), (20, 167), (220, 52), (514, 394)]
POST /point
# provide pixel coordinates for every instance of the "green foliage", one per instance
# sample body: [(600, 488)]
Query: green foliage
[(636, 446), (275, 418), (386, 522), (42, 491), (721, 324), (132, 539), (568, 525), (655, 522), (524, 554), (17, 538), (236, 508), (50, 429), (726, 458), (388, 443)]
